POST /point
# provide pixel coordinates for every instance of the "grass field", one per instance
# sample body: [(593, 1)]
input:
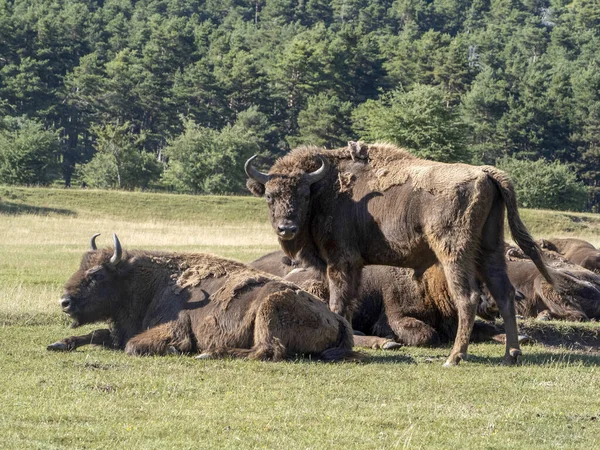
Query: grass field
[(94, 398)]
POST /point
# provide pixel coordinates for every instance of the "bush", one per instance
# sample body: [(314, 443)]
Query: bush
[(417, 120), (543, 184), (28, 152), (206, 161), (119, 162)]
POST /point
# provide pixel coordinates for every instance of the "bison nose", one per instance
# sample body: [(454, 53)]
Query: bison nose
[(65, 302), (287, 231)]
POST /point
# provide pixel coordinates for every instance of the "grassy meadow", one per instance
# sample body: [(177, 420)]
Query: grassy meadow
[(95, 398)]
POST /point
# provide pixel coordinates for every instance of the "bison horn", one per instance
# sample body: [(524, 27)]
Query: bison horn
[(254, 173), (93, 242), (116, 257), (318, 174)]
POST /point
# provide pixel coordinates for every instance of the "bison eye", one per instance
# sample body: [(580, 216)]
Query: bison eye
[(98, 276), (269, 198)]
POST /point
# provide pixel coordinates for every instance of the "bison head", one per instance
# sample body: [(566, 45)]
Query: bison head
[(91, 292), (287, 194)]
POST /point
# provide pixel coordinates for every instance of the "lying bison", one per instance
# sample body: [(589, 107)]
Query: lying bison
[(378, 204), (392, 304), (577, 251), (575, 295), (160, 303)]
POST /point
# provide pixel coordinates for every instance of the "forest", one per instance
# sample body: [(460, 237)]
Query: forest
[(175, 95)]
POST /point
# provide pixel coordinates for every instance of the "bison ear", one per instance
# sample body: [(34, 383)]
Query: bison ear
[(257, 189), (358, 150)]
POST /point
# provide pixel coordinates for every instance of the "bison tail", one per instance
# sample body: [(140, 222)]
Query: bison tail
[(518, 229), (343, 350)]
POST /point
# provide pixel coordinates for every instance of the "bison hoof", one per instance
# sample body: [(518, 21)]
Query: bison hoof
[(512, 358), (526, 340), (391, 345), (453, 360), (205, 356), (173, 351), (358, 333), (59, 346), (544, 315)]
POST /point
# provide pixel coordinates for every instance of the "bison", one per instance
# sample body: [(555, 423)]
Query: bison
[(339, 210), (392, 303), (575, 295), (577, 251), (159, 303)]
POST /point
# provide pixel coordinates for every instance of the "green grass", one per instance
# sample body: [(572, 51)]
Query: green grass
[(95, 398)]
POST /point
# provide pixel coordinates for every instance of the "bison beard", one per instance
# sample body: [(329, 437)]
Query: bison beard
[(161, 303), (378, 204)]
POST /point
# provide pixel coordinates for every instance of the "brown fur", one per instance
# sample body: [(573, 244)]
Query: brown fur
[(160, 303), (394, 305), (575, 295), (577, 251), (400, 211)]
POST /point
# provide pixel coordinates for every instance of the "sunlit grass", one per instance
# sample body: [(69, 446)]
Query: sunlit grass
[(95, 398)]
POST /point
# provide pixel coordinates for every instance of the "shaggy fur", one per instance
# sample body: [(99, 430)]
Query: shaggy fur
[(577, 251), (397, 210), (160, 303), (394, 305), (575, 295)]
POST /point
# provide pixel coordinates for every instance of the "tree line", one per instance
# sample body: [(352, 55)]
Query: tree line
[(177, 94)]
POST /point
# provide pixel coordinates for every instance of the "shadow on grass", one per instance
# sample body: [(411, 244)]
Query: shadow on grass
[(15, 209), (541, 359)]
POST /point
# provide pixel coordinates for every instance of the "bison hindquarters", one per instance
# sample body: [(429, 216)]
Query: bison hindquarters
[(300, 324)]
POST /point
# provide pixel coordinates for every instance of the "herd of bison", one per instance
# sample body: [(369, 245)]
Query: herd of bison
[(378, 249)]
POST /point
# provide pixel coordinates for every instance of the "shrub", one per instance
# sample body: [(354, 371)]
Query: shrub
[(543, 184), (28, 152)]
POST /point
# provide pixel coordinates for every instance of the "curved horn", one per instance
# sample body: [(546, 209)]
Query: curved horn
[(93, 242), (116, 257), (320, 173), (254, 173)]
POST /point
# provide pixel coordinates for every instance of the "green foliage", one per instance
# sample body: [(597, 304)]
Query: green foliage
[(28, 152), (325, 122), (417, 120), (522, 76), (119, 162), (543, 184), (203, 160)]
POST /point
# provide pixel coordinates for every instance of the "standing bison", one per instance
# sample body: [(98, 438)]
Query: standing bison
[(160, 303), (378, 204)]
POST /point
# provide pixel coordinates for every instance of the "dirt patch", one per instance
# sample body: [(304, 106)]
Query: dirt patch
[(581, 337)]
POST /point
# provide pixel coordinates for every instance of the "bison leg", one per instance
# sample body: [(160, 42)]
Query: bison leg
[(344, 281), (503, 293), (375, 342), (97, 337), (167, 338), (483, 332), (414, 332), (464, 291)]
